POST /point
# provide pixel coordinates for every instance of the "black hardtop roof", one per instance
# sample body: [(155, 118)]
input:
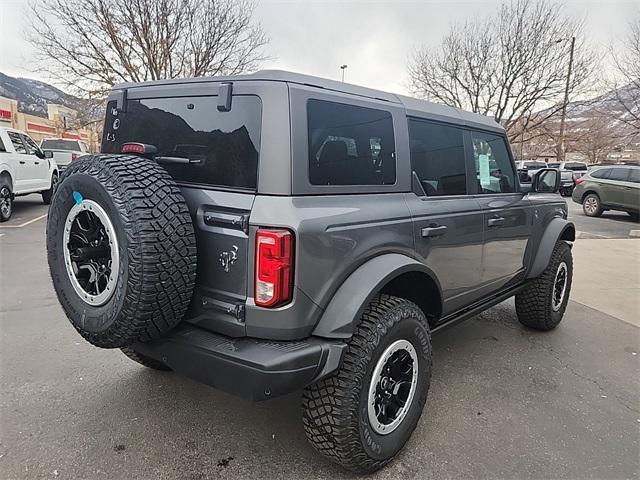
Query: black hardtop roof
[(414, 107)]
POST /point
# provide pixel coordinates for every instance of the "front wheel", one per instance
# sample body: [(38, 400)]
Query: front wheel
[(362, 416), (48, 194), (541, 304)]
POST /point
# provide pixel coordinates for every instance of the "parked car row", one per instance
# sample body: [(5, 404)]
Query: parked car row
[(24, 169)]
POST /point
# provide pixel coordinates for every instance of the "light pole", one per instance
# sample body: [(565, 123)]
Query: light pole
[(561, 152), (343, 68)]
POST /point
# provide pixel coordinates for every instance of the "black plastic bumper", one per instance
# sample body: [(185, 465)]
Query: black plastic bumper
[(247, 367)]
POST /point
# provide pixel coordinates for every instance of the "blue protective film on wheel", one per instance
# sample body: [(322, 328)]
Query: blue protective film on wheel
[(77, 196)]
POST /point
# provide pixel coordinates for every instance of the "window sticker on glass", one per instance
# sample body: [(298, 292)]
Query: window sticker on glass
[(485, 172)]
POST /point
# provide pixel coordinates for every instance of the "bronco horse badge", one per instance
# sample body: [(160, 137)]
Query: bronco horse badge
[(228, 258)]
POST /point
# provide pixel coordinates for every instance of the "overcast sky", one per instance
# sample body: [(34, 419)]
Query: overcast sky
[(374, 38)]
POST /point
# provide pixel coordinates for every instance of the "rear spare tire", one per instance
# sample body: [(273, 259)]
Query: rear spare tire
[(121, 249)]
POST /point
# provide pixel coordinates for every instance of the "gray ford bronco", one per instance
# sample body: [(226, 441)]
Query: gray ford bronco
[(276, 232)]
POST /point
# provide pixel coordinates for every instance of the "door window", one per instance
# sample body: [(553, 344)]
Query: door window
[(17, 143), (350, 145), (494, 171), (32, 147), (619, 174), (2, 148), (634, 175), (437, 157)]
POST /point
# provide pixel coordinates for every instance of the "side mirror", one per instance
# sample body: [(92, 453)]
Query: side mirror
[(546, 180), (48, 154)]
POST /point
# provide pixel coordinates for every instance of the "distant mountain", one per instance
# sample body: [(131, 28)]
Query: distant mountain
[(34, 95)]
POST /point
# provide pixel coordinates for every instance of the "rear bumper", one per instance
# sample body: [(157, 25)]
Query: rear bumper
[(247, 367)]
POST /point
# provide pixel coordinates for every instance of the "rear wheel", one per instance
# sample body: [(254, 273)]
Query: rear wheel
[(48, 194), (591, 205), (6, 200), (363, 415)]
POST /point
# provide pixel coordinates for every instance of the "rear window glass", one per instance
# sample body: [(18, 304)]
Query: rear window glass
[(350, 145), (60, 145), (601, 173), (196, 142), (575, 166)]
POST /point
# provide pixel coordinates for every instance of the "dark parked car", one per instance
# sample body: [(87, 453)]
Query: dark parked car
[(615, 187), (275, 232)]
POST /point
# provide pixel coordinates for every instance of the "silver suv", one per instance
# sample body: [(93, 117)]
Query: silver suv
[(275, 232)]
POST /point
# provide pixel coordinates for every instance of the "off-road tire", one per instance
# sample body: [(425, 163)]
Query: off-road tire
[(157, 259), (144, 360), (598, 211), (335, 409), (534, 302), (5, 189), (47, 195)]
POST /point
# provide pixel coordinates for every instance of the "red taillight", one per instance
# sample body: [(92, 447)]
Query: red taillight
[(133, 148), (274, 267), (74, 156), (578, 180)]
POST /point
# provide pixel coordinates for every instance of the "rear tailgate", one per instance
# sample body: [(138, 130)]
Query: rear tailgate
[(222, 235)]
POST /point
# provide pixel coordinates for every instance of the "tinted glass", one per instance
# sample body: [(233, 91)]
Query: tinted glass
[(350, 145), (553, 165), (196, 142), (620, 174), (2, 149), (575, 166), (634, 176), (601, 173), (437, 157), (494, 171), (59, 144), (17, 143), (32, 147)]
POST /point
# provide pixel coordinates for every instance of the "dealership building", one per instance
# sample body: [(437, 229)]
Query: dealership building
[(60, 123)]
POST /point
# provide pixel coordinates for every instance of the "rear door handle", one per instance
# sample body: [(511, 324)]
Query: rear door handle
[(37, 163), (435, 231), (495, 222), (22, 162)]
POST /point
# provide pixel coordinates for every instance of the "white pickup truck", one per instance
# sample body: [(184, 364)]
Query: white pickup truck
[(64, 150), (24, 169)]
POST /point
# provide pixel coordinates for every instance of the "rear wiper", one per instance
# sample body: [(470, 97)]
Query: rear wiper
[(176, 160)]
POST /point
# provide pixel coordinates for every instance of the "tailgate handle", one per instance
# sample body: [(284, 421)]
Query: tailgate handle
[(434, 231), (227, 220)]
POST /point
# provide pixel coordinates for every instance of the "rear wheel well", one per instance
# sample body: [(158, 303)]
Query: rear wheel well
[(419, 288), (588, 192)]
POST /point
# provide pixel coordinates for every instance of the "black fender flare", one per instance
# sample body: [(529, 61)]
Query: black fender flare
[(357, 291), (558, 228)]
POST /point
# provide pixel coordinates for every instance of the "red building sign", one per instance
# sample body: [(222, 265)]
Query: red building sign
[(5, 114)]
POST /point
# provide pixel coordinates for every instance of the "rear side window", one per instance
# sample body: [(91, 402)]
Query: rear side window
[(619, 174), (17, 143), (350, 145), (634, 176), (601, 173), (494, 172), (196, 143), (437, 157)]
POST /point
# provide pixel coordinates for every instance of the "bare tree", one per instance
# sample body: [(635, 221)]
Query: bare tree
[(597, 136), (627, 86), (88, 45), (508, 66)]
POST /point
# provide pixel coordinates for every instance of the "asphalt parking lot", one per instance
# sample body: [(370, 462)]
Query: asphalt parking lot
[(505, 402)]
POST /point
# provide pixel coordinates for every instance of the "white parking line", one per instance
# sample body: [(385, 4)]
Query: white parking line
[(25, 223)]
